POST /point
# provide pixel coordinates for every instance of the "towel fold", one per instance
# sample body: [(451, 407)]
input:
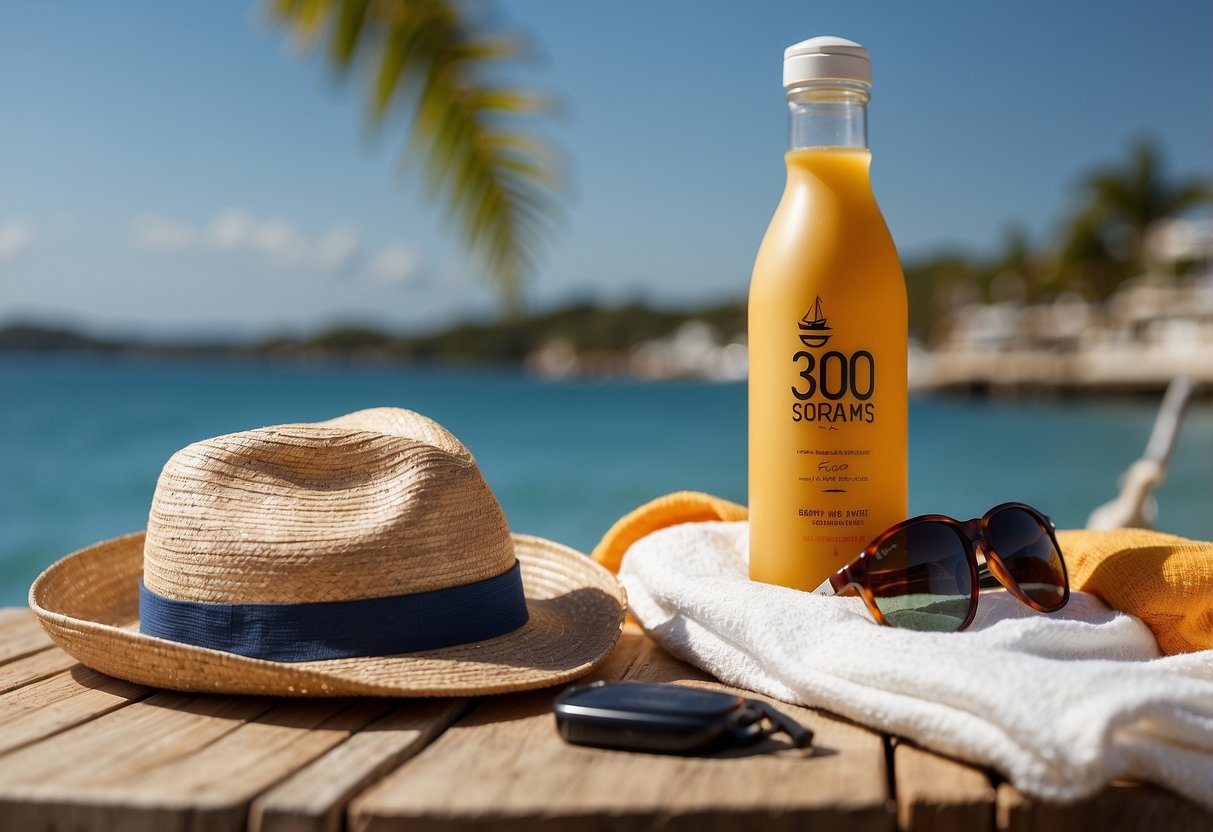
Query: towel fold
[(1060, 704)]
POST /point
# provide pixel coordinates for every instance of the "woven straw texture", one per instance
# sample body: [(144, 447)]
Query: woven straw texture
[(377, 503), (369, 505)]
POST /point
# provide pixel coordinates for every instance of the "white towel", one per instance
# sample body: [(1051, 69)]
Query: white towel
[(1060, 704)]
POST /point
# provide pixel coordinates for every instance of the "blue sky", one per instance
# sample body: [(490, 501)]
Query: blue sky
[(174, 169)]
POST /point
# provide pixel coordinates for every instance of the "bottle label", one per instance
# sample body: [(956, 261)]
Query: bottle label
[(835, 387), (833, 391)]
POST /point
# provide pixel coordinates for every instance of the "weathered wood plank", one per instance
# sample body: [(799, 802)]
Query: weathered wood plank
[(79, 750), (314, 799), (256, 755), (940, 794), (1118, 808), (48, 706), (71, 780), (9, 614), (20, 634), (123, 744), (173, 762), (33, 668), (12, 615), (505, 765)]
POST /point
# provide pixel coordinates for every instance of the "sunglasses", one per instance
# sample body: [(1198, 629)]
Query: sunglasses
[(923, 573)]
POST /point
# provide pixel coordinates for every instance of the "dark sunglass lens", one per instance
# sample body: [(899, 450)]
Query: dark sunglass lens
[(920, 578), (1026, 549)]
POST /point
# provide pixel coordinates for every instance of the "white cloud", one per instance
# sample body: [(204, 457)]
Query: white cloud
[(16, 236), (275, 240), (394, 265), (285, 246), (338, 248), (278, 243), (229, 229), (159, 234), (281, 244), (278, 239)]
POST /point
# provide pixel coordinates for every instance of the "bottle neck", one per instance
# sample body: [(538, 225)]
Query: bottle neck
[(828, 114)]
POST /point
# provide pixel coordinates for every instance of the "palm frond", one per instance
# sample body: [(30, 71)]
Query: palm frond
[(1189, 194), (1122, 202), (472, 137)]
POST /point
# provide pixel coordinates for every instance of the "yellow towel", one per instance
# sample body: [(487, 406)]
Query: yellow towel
[(670, 510), (1164, 580)]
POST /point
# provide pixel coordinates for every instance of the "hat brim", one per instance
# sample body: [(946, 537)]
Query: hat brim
[(89, 604)]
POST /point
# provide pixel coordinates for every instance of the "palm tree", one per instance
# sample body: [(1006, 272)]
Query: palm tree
[(1106, 239), (1088, 261), (436, 59), (1018, 271)]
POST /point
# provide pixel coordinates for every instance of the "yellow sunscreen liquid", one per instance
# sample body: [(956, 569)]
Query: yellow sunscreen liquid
[(827, 341)]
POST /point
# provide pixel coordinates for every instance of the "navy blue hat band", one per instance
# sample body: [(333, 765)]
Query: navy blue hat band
[(342, 629)]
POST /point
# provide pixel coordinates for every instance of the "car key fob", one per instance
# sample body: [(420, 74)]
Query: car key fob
[(667, 718)]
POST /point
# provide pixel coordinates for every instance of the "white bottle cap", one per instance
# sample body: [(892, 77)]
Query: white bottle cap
[(826, 58)]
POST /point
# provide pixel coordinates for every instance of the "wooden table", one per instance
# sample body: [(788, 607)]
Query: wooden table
[(79, 750)]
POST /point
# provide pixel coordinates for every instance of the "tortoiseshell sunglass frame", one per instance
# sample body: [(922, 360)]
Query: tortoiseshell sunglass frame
[(854, 578)]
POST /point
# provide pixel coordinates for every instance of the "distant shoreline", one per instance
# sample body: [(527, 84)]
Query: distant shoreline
[(577, 340), (641, 344), (597, 335)]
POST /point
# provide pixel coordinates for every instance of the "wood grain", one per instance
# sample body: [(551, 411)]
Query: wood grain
[(173, 761), (138, 738), (8, 615), (49, 706), (32, 668), (505, 764), (73, 779), (83, 751), (265, 750), (314, 799), (1118, 808), (20, 634), (939, 793)]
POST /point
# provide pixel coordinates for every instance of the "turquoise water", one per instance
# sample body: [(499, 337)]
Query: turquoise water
[(83, 439)]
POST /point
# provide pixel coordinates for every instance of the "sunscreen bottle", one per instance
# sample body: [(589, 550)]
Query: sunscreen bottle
[(827, 338)]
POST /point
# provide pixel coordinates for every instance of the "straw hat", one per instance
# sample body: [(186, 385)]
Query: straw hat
[(361, 556)]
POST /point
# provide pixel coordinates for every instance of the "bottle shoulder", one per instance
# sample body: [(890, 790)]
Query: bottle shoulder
[(828, 226), (804, 232)]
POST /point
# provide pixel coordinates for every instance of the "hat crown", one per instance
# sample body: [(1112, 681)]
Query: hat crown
[(378, 503)]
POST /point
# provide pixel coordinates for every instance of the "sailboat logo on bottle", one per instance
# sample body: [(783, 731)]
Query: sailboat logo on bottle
[(814, 328)]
